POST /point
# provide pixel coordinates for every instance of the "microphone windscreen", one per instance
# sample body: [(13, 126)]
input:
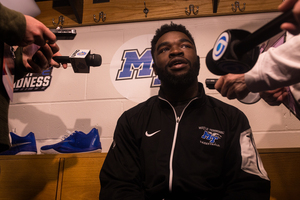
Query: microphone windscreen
[(94, 60), (212, 65)]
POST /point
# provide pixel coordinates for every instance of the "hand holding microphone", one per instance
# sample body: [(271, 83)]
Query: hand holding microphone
[(36, 58), (242, 94), (81, 60), (233, 87)]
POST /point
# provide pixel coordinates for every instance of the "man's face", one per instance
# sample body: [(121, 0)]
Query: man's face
[(175, 58)]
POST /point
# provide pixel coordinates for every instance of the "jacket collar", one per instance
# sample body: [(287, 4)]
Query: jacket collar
[(200, 97)]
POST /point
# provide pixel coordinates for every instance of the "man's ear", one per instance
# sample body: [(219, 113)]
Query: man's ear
[(154, 67)]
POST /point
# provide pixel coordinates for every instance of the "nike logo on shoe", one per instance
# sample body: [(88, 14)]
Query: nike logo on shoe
[(151, 134), (20, 144)]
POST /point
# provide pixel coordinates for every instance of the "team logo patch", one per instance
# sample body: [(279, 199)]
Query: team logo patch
[(211, 136), (131, 70), (34, 82)]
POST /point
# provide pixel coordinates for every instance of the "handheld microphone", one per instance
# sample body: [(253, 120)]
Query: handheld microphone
[(251, 98), (81, 60), (236, 51)]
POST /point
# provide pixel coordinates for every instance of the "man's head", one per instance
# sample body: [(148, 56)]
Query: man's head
[(167, 28), (174, 54)]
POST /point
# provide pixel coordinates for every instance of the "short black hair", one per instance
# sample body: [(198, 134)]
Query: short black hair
[(168, 28)]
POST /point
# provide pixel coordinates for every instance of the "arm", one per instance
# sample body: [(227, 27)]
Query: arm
[(244, 172), (276, 68), (120, 176), (12, 26), (24, 31)]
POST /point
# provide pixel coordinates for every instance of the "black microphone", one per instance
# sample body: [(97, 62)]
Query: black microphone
[(236, 51), (81, 60), (251, 98)]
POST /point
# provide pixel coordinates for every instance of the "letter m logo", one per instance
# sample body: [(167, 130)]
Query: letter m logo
[(136, 65), (210, 136)]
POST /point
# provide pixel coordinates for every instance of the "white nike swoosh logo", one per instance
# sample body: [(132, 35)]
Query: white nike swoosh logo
[(20, 144), (151, 134)]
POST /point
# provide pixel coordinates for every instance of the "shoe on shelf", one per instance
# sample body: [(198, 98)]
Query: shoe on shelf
[(21, 145), (77, 142)]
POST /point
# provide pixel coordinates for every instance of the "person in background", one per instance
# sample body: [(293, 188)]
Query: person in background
[(33, 38), (276, 74), (181, 143)]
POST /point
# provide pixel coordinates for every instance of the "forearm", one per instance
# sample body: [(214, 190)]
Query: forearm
[(278, 67), (12, 26)]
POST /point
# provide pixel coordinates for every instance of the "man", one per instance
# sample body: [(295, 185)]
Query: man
[(27, 32), (182, 144)]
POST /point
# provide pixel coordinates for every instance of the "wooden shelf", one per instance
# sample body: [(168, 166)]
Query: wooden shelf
[(81, 12)]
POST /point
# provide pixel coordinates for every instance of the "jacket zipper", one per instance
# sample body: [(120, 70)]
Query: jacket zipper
[(177, 119)]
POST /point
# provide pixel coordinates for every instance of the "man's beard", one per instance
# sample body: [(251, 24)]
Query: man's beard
[(179, 81)]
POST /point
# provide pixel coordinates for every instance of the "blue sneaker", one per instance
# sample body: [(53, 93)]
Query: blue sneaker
[(21, 145), (77, 142)]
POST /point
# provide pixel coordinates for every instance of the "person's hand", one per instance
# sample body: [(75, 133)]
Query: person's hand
[(36, 33), (57, 65), (274, 97), (232, 86), (293, 28), (42, 57)]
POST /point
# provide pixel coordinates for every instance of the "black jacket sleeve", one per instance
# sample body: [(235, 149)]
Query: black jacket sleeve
[(120, 176), (244, 173), (12, 26)]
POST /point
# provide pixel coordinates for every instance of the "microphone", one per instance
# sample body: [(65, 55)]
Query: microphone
[(81, 60), (236, 51), (251, 98)]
